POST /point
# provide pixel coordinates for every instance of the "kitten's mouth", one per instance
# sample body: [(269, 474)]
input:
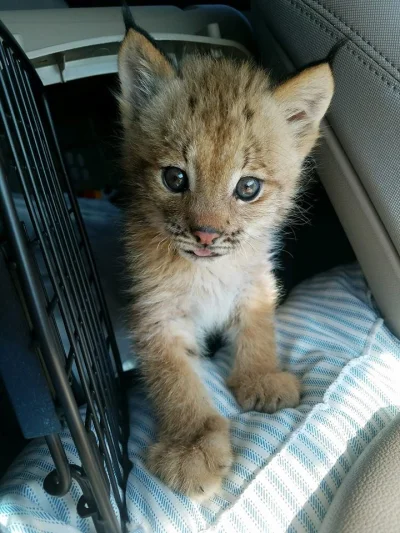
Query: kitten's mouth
[(202, 252)]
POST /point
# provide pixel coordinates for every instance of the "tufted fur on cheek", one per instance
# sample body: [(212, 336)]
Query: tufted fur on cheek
[(218, 121)]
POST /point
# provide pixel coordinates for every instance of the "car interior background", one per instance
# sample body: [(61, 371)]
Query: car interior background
[(348, 213)]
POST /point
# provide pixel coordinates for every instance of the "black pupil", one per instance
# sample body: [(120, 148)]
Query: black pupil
[(175, 179), (247, 188)]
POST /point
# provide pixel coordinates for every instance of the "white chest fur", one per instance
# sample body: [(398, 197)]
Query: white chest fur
[(214, 294)]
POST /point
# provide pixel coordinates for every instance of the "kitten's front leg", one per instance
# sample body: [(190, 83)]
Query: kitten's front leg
[(256, 379), (193, 451)]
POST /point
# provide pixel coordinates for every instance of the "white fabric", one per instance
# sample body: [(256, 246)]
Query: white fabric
[(288, 465)]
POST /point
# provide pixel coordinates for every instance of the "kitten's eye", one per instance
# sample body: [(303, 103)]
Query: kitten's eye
[(175, 179), (248, 188)]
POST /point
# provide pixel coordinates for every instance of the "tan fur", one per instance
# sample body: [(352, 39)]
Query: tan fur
[(218, 120), (255, 380)]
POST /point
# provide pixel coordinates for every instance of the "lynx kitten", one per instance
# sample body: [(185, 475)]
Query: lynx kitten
[(213, 156)]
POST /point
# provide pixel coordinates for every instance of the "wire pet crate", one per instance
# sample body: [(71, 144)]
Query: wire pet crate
[(55, 275)]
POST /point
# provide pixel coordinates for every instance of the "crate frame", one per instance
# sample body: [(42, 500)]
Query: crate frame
[(60, 242)]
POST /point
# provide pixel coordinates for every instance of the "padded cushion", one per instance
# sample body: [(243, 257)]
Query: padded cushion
[(368, 500), (360, 164), (367, 71), (289, 465)]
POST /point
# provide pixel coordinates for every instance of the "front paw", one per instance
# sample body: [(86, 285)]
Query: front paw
[(268, 392), (195, 465)]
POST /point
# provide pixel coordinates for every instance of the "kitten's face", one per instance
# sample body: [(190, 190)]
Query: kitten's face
[(213, 155)]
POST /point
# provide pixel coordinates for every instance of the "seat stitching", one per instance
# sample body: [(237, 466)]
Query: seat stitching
[(364, 39), (388, 81)]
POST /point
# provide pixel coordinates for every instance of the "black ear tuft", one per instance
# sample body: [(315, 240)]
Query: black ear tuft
[(143, 68), (130, 24), (334, 50), (129, 21), (330, 58)]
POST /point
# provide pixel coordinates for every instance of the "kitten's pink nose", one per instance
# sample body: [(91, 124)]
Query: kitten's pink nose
[(206, 237)]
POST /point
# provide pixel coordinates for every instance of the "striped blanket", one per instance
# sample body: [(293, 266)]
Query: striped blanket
[(288, 466)]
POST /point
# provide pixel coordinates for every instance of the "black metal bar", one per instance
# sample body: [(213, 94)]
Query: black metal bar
[(58, 482), (86, 506), (95, 325), (49, 225), (88, 250), (20, 55), (74, 259), (79, 294), (75, 303), (40, 320), (17, 352), (60, 294)]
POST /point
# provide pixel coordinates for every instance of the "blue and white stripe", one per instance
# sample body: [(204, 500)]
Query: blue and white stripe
[(289, 465)]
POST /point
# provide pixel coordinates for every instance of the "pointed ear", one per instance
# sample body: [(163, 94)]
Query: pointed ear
[(142, 69), (304, 100)]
